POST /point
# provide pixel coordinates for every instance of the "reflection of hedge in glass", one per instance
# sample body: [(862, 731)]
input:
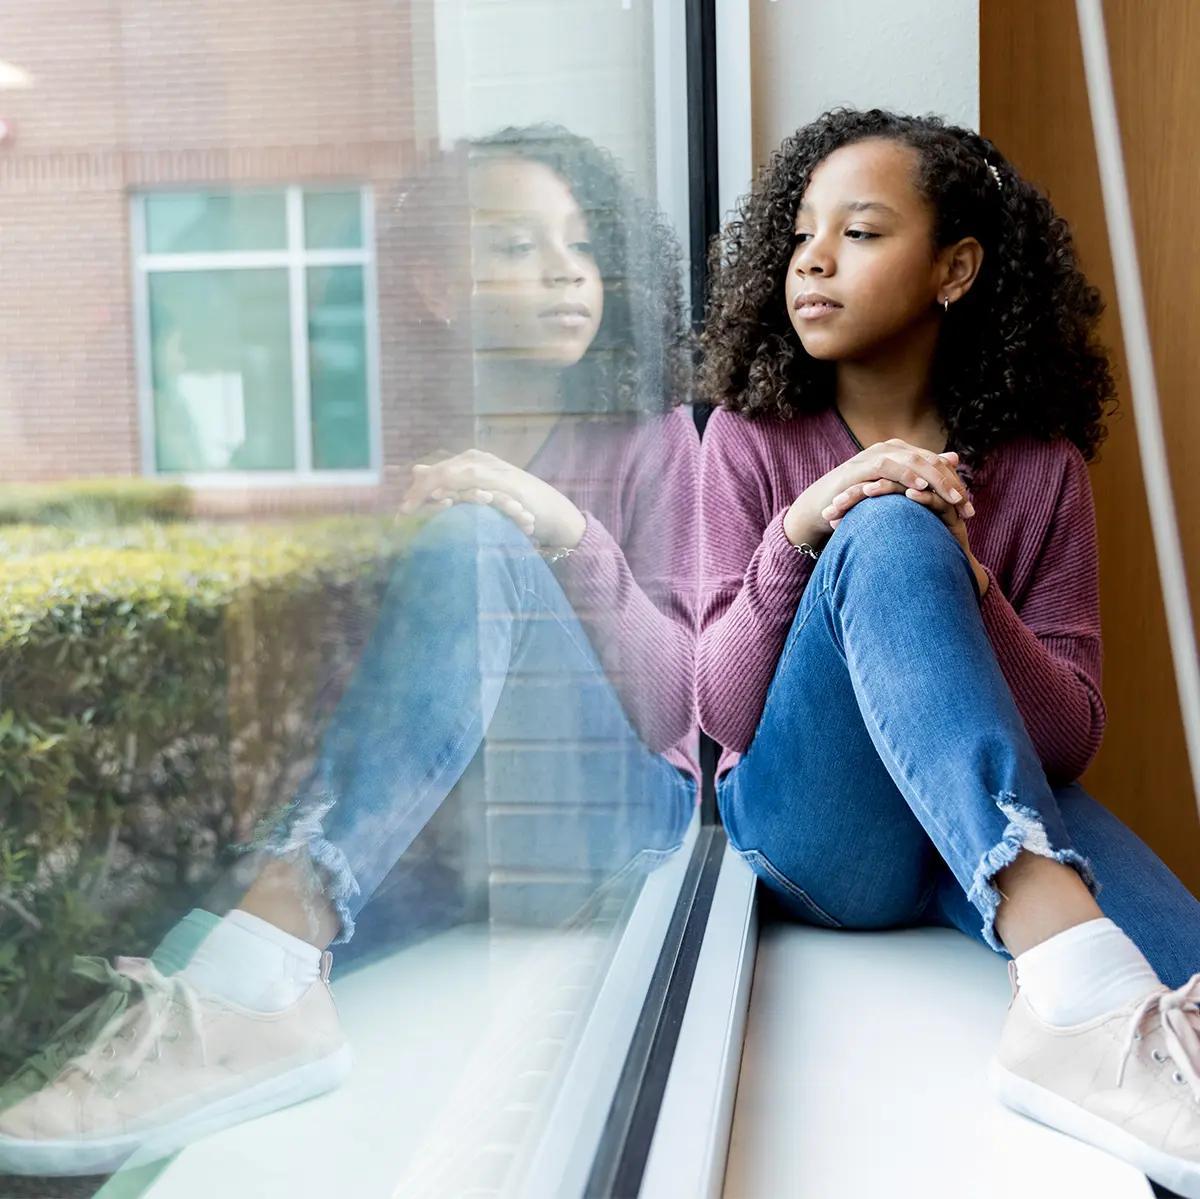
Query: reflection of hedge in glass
[(83, 502), (162, 688)]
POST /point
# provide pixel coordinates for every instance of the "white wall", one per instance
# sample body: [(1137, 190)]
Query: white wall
[(612, 70), (585, 64), (916, 56)]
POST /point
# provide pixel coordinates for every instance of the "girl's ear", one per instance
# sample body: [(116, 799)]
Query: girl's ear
[(960, 267)]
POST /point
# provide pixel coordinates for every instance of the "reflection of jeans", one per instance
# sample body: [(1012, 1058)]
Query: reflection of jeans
[(476, 637), (891, 774)]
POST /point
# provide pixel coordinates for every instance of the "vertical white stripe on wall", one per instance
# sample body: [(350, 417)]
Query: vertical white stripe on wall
[(1135, 330), (735, 102)]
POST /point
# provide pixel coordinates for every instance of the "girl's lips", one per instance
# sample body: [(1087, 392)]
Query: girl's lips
[(565, 320), (567, 308), (812, 312), (568, 314)]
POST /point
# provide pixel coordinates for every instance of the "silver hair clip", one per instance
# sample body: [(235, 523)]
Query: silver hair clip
[(995, 175)]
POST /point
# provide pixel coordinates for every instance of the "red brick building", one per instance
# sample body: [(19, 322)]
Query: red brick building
[(148, 145)]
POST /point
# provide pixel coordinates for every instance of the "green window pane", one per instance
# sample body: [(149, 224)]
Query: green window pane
[(337, 365), (221, 360), (196, 222), (332, 221)]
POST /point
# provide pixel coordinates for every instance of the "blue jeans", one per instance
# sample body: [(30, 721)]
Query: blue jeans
[(891, 775), (476, 638)]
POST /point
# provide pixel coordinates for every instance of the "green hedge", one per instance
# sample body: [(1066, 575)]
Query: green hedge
[(162, 688), (98, 501)]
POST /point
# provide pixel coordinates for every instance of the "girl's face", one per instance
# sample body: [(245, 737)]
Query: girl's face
[(863, 238), (537, 291)]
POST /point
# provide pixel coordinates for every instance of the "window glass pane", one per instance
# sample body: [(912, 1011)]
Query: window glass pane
[(332, 220), (337, 358), (194, 222), (222, 369), (261, 707)]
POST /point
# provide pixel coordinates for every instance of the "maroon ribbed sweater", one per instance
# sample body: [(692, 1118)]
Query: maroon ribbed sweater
[(1034, 533), (632, 578)]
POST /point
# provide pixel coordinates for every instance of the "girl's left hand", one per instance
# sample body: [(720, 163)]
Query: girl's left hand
[(476, 476)]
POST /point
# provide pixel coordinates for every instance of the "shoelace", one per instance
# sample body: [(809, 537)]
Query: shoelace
[(80, 1030), (1179, 1011), (159, 995)]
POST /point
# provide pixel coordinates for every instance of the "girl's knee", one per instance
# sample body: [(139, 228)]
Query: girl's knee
[(893, 520), (872, 529), (470, 524), (467, 540)]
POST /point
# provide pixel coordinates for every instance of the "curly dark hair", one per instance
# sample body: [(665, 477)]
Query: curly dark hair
[(1017, 354), (641, 357)]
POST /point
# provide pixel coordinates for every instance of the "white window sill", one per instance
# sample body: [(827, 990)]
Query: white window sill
[(863, 1074)]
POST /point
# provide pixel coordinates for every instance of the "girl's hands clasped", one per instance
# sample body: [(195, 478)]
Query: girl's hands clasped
[(946, 495), (478, 477), (887, 467)]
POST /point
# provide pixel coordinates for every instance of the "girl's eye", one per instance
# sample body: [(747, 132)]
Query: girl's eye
[(582, 247), (859, 234), (516, 249)]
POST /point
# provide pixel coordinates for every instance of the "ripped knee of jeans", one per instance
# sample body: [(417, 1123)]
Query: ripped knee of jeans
[(1025, 830)]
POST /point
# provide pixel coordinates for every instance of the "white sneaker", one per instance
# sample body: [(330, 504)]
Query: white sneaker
[(1127, 1082), (169, 1065)]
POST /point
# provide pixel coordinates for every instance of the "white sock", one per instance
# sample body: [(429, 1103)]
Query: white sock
[(250, 962), (1084, 971)]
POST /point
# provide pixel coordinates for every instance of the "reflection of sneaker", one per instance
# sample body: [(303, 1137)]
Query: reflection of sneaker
[(1127, 1082), (169, 1065)]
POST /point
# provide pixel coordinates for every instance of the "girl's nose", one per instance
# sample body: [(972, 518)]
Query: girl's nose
[(814, 259), (563, 268), (813, 266)]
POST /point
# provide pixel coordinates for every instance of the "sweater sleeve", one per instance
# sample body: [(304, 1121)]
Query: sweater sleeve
[(751, 581), (1049, 645), (636, 598)]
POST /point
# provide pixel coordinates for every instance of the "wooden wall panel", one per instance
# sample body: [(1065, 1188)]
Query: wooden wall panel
[(1034, 106)]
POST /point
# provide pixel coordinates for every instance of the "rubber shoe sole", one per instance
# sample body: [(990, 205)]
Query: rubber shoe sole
[(105, 1155), (1048, 1108)]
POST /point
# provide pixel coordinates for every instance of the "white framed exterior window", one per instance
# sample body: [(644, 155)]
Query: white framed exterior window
[(256, 326)]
